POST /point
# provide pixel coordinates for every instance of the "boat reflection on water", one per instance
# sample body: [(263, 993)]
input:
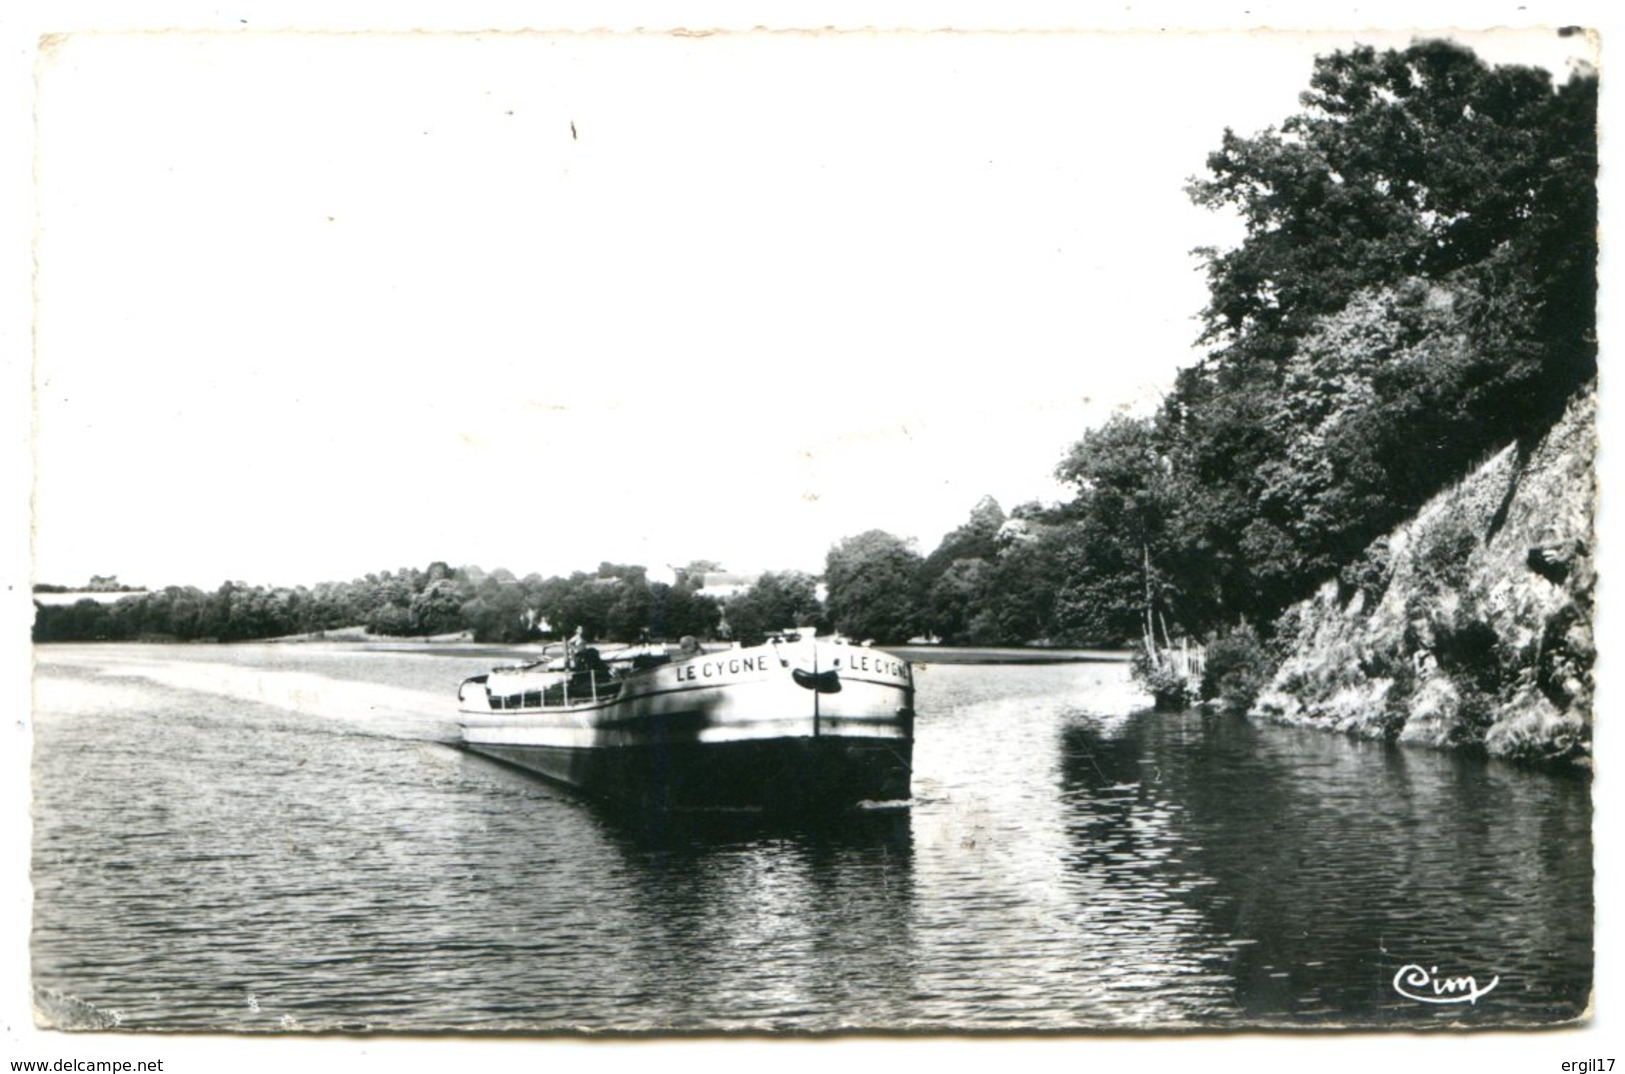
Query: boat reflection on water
[(699, 832), (775, 922), (704, 920)]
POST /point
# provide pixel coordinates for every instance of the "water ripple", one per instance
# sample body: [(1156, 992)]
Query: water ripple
[(267, 838)]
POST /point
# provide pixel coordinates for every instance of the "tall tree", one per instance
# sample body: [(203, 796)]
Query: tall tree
[(873, 583), (679, 609), (1416, 285), (954, 577), (1118, 586), (977, 538), (1419, 161)]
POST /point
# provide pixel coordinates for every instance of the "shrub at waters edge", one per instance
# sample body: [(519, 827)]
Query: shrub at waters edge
[(1169, 687), (1238, 667)]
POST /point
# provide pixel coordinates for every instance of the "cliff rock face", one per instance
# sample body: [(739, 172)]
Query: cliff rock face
[(1470, 625)]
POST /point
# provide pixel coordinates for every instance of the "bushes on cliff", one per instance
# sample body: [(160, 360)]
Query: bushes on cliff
[(1368, 576), (1442, 554)]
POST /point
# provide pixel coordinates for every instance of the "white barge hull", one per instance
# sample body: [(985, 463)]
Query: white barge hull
[(778, 726)]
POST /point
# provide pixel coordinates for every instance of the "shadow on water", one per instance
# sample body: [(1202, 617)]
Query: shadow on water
[(693, 834), (1321, 865)]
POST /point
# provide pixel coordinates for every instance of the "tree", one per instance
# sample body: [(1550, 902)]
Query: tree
[(953, 576), (678, 610), (873, 582), (1416, 286), (1018, 588), (437, 609), (389, 619), (586, 603), (977, 538), (626, 572), (774, 602), (632, 612), (497, 616), (1117, 585), (1402, 162), (955, 597)]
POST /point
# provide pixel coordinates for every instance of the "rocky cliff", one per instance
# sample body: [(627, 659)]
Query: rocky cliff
[(1469, 626)]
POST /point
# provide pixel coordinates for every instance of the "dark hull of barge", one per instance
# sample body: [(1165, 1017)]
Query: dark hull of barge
[(776, 776)]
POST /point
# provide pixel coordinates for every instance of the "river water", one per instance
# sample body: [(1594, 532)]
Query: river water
[(284, 838)]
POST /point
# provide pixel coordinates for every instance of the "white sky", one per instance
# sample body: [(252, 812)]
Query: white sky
[(311, 306)]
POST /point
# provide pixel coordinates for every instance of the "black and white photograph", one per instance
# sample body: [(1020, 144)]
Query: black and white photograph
[(545, 534)]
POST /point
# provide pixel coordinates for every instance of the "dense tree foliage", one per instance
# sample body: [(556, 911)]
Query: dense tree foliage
[(993, 581), (977, 539), (1416, 286), (873, 581), (776, 601), (1116, 581)]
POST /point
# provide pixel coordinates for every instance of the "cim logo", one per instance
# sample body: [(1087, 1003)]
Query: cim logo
[(1426, 986)]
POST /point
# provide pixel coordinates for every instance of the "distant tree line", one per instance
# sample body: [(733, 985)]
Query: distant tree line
[(98, 584), (1416, 287), (615, 601)]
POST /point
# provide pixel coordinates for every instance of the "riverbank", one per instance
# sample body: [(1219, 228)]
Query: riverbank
[(917, 654), (920, 654), (967, 654), (359, 635), (1469, 626)]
